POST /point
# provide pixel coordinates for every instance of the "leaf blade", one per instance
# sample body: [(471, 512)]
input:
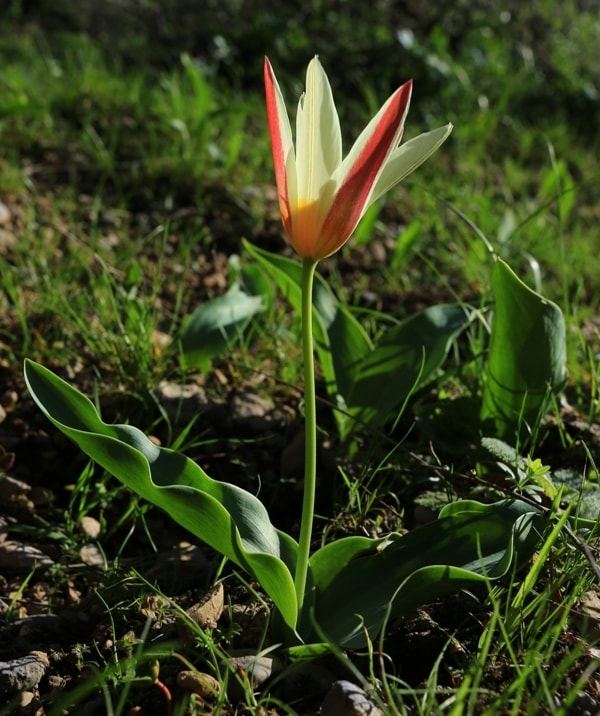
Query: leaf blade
[(468, 544), (211, 327), (406, 357), (527, 355), (227, 518)]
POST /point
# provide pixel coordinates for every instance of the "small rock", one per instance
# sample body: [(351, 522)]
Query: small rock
[(19, 557), (9, 400), (24, 673), (5, 214), (25, 699), (348, 699), (56, 682), (15, 493), (253, 412), (587, 617), (182, 403), (74, 595), (584, 704), (40, 592), (253, 667), (90, 527), (196, 682), (92, 556), (208, 610)]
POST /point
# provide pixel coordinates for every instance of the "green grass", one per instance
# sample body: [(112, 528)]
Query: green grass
[(133, 167)]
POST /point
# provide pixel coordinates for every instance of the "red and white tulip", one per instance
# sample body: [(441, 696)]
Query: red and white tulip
[(322, 196)]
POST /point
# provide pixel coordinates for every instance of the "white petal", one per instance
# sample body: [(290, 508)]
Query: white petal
[(407, 158), (318, 135)]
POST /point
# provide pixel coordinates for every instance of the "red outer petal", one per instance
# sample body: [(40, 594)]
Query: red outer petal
[(277, 146), (352, 196)]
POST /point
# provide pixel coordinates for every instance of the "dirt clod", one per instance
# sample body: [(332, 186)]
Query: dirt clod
[(24, 673)]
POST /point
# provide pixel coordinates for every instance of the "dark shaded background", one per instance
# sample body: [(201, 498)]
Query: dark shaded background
[(385, 41)]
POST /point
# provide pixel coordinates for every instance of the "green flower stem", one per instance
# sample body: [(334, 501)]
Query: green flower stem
[(310, 432)]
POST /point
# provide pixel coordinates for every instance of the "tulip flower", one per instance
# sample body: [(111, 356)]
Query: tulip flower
[(322, 197)]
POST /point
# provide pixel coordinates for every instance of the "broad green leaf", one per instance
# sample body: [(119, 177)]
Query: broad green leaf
[(212, 326), (368, 382), (406, 357), (333, 557), (469, 543), (340, 340), (527, 356), (229, 519)]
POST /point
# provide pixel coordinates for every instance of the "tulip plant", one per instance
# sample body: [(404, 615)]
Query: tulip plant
[(345, 591), (322, 197)]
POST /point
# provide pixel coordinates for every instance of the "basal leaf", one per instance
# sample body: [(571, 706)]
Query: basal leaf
[(527, 356), (407, 356), (212, 326), (469, 543), (333, 557), (229, 519)]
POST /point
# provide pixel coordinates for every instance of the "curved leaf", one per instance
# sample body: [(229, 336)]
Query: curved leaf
[(368, 381), (467, 544), (212, 326), (527, 357), (407, 356), (334, 556), (229, 519)]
